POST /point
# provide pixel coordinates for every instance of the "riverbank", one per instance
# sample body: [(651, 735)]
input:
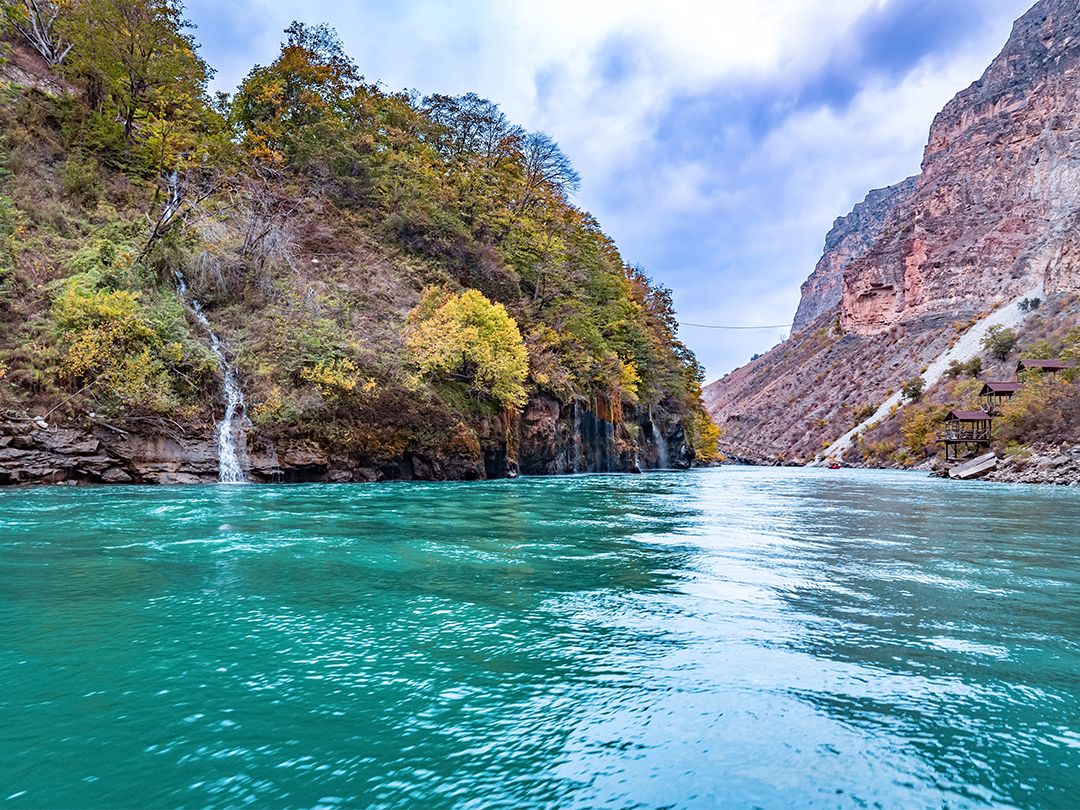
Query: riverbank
[(1052, 464), (1040, 464)]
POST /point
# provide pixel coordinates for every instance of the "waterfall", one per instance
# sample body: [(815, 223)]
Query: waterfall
[(577, 438), (230, 470), (662, 460), (609, 446)]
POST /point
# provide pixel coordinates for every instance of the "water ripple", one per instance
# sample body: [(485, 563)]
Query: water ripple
[(744, 637)]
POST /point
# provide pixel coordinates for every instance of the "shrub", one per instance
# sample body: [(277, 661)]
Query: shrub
[(999, 341), (81, 179), (110, 344), (965, 393), (919, 428), (956, 369), (1029, 304), (912, 390), (336, 377), (863, 413), (1045, 409), (10, 225), (464, 337), (1040, 349), (1070, 352)]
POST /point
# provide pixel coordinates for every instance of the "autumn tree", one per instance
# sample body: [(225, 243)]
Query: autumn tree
[(136, 59), (299, 103), (467, 338)]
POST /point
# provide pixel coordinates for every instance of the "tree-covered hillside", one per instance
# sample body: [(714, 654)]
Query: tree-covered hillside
[(392, 276)]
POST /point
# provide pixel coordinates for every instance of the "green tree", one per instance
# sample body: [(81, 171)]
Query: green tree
[(135, 58), (465, 337), (912, 390), (999, 341)]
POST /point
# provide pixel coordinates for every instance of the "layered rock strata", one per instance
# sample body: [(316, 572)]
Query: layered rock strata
[(994, 212)]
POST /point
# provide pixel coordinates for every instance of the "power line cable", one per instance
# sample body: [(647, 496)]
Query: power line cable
[(715, 326)]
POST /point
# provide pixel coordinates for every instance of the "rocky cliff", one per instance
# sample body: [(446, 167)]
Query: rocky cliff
[(552, 439), (994, 212), (851, 238), (996, 208)]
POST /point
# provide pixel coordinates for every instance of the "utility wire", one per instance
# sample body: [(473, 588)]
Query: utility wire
[(713, 326)]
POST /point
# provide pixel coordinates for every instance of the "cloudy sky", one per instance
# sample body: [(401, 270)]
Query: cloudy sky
[(717, 141)]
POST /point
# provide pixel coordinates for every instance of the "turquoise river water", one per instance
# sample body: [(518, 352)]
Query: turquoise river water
[(733, 637)]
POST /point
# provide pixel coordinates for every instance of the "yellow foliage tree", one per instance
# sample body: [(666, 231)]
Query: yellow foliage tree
[(703, 434), (466, 337), (919, 427), (336, 377)]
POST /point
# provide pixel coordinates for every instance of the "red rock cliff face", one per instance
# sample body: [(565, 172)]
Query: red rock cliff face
[(851, 238), (997, 205), (994, 212)]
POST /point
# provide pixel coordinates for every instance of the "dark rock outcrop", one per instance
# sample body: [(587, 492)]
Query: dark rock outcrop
[(579, 437), (552, 439)]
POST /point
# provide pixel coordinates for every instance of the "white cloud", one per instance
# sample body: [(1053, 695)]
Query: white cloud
[(732, 221)]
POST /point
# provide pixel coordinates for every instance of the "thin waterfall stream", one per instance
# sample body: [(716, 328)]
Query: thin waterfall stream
[(230, 470), (577, 438), (663, 462)]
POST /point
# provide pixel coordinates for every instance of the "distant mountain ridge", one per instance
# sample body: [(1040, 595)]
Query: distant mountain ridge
[(994, 211)]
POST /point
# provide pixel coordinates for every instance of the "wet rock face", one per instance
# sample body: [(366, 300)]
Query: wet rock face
[(996, 208), (557, 439), (553, 439)]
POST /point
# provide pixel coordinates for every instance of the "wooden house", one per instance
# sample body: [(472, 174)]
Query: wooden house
[(1045, 366), (965, 432)]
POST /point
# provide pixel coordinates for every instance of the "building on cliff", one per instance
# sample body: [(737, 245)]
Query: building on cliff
[(996, 394), (1050, 366)]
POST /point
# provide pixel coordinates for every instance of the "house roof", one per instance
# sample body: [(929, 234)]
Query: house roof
[(990, 388), (966, 416), (1054, 365)]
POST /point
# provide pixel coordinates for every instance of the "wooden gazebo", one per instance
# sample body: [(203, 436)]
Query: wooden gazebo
[(965, 431), (1045, 366), (996, 394)]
